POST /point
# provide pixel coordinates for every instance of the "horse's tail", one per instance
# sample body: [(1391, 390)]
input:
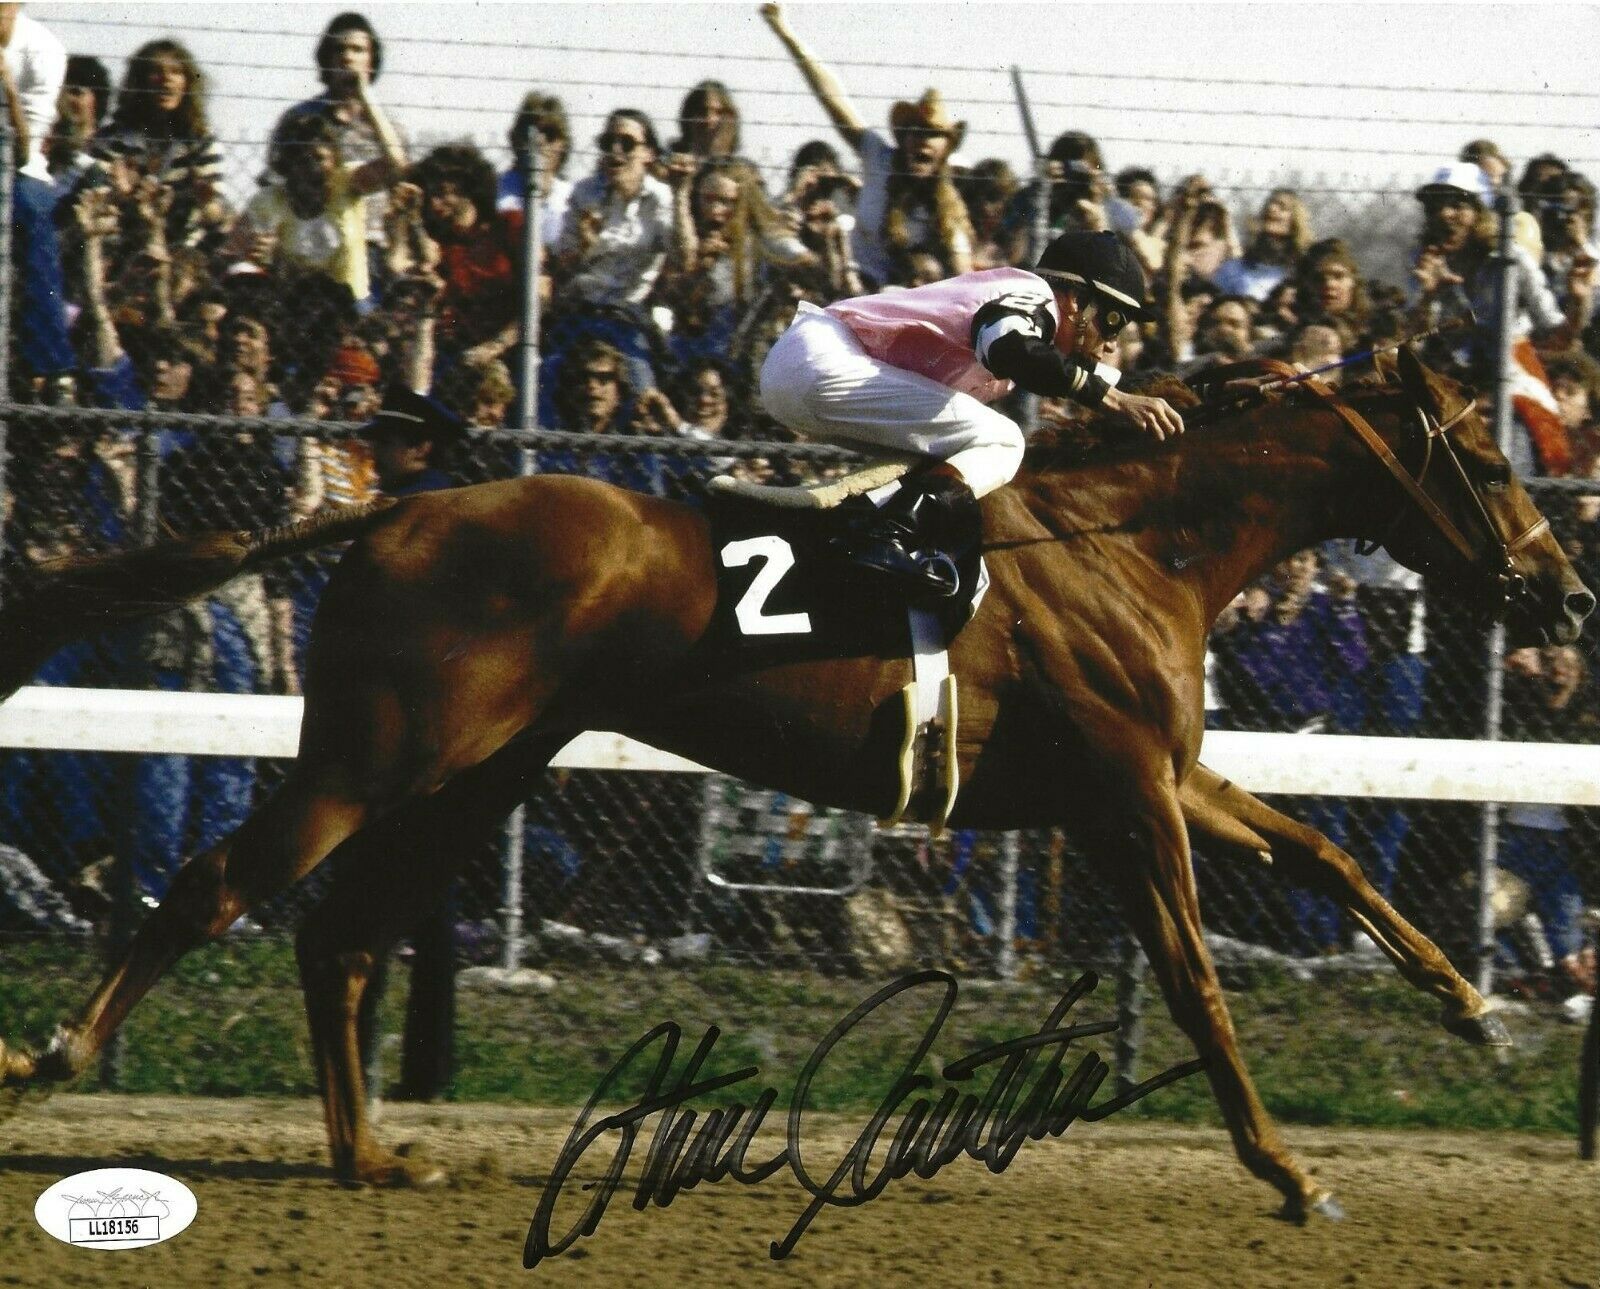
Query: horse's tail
[(77, 595)]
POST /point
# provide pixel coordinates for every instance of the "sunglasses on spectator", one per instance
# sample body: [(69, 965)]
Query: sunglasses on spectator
[(625, 142), (598, 375)]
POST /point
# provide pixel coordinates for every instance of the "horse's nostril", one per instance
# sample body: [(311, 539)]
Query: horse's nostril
[(1580, 604)]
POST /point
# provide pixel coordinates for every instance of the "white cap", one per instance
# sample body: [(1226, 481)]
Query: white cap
[(1460, 176)]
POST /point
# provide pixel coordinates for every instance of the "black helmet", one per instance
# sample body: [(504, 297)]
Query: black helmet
[(1100, 263)]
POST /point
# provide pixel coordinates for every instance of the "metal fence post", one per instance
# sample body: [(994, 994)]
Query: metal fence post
[(1130, 1011), (511, 910), (1039, 230), (1506, 207), (7, 286), (1010, 856)]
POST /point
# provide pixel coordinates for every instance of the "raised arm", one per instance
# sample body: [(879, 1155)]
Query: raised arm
[(823, 83), (381, 172), (95, 214)]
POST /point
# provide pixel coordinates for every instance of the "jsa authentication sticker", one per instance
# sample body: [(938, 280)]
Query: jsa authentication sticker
[(115, 1208)]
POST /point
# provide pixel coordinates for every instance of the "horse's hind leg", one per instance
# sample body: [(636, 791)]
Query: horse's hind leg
[(1157, 889), (276, 846), (1225, 812), (384, 879)]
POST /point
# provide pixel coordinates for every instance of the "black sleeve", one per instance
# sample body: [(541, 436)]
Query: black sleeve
[(1040, 368)]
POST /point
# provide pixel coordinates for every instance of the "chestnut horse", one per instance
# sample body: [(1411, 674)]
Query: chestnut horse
[(467, 635)]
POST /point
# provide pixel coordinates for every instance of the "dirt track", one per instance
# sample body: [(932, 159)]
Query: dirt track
[(1107, 1204)]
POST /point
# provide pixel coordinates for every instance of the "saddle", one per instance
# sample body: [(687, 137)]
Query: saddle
[(782, 597)]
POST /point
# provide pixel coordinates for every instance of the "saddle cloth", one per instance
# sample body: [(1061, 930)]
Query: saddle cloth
[(783, 596)]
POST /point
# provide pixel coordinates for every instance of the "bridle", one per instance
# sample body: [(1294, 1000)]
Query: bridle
[(1495, 562)]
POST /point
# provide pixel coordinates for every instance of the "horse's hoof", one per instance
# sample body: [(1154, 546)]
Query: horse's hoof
[(1483, 1030), (1302, 1210), (401, 1173), (16, 1066)]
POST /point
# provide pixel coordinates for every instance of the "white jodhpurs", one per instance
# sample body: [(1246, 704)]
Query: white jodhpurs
[(818, 381)]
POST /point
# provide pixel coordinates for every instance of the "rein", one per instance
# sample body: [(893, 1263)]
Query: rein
[(1497, 559)]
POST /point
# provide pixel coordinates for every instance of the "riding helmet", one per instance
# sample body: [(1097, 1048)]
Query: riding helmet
[(1100, 263)]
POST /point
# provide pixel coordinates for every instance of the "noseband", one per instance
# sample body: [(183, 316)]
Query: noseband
[(1496, 561)]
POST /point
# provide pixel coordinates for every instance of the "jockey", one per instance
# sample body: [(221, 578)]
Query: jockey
[(915, 370)]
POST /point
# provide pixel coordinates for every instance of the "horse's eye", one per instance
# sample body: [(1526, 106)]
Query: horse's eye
[(1497, 476)]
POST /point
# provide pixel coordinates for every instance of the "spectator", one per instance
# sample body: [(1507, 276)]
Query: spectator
[(1279, 313), (481, 396), (1290, 657), (452, 219), (1575, 383), (349, 61), (1541, 688), (1282, 235), (619, 221), (614, 243), (1210, 242), (987, 189), (726, 239), (821, 202), (908, 196), (596, 397), (1315, 345), (1136, 214), (540, 115), (708, 127), (1539, 171), (1566, 223), (159, 132), (1330, 289), (411, 438), (315, 220), (1078, 189), (700, 403), (1453, 277), (1389, 697), (85, 99), (1199, 235), (814, 160), (34, 66), (1225, 331), (1486, 155)]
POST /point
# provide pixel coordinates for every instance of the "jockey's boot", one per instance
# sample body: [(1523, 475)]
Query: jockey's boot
[(899, 544)]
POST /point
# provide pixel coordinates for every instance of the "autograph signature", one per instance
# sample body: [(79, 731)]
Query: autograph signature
[(990, 1126)]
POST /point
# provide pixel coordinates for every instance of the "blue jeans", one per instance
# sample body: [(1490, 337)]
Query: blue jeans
[(186, 804), (42, 340), (1538, 857)]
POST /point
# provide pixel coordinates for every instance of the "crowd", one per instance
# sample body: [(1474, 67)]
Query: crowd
[(364, 265)]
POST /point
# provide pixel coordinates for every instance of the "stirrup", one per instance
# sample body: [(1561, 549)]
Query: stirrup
[(923, 574)]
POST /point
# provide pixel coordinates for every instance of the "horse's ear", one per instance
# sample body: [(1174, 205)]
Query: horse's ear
[(1417, 380), (1383, 364)]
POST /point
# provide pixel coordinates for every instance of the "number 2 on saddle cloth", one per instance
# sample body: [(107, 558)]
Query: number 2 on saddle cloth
[(784, 594)]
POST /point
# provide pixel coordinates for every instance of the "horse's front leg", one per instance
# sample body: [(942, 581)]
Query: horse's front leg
[(1157, 889), (1226, 813)]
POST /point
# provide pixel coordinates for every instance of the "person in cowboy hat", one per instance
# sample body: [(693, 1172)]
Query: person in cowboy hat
[(410, 437), (908, 199), (915, 371)]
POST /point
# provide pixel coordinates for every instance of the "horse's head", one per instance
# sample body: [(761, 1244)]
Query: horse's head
[(1481, 528)]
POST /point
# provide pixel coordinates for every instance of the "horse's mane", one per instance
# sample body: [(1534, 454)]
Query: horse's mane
[(1102, 438)]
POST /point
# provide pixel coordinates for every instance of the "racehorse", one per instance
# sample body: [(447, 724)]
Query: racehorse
[(467, 635)]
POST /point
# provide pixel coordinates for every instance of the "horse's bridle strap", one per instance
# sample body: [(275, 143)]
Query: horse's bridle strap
[(1412, 488)]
